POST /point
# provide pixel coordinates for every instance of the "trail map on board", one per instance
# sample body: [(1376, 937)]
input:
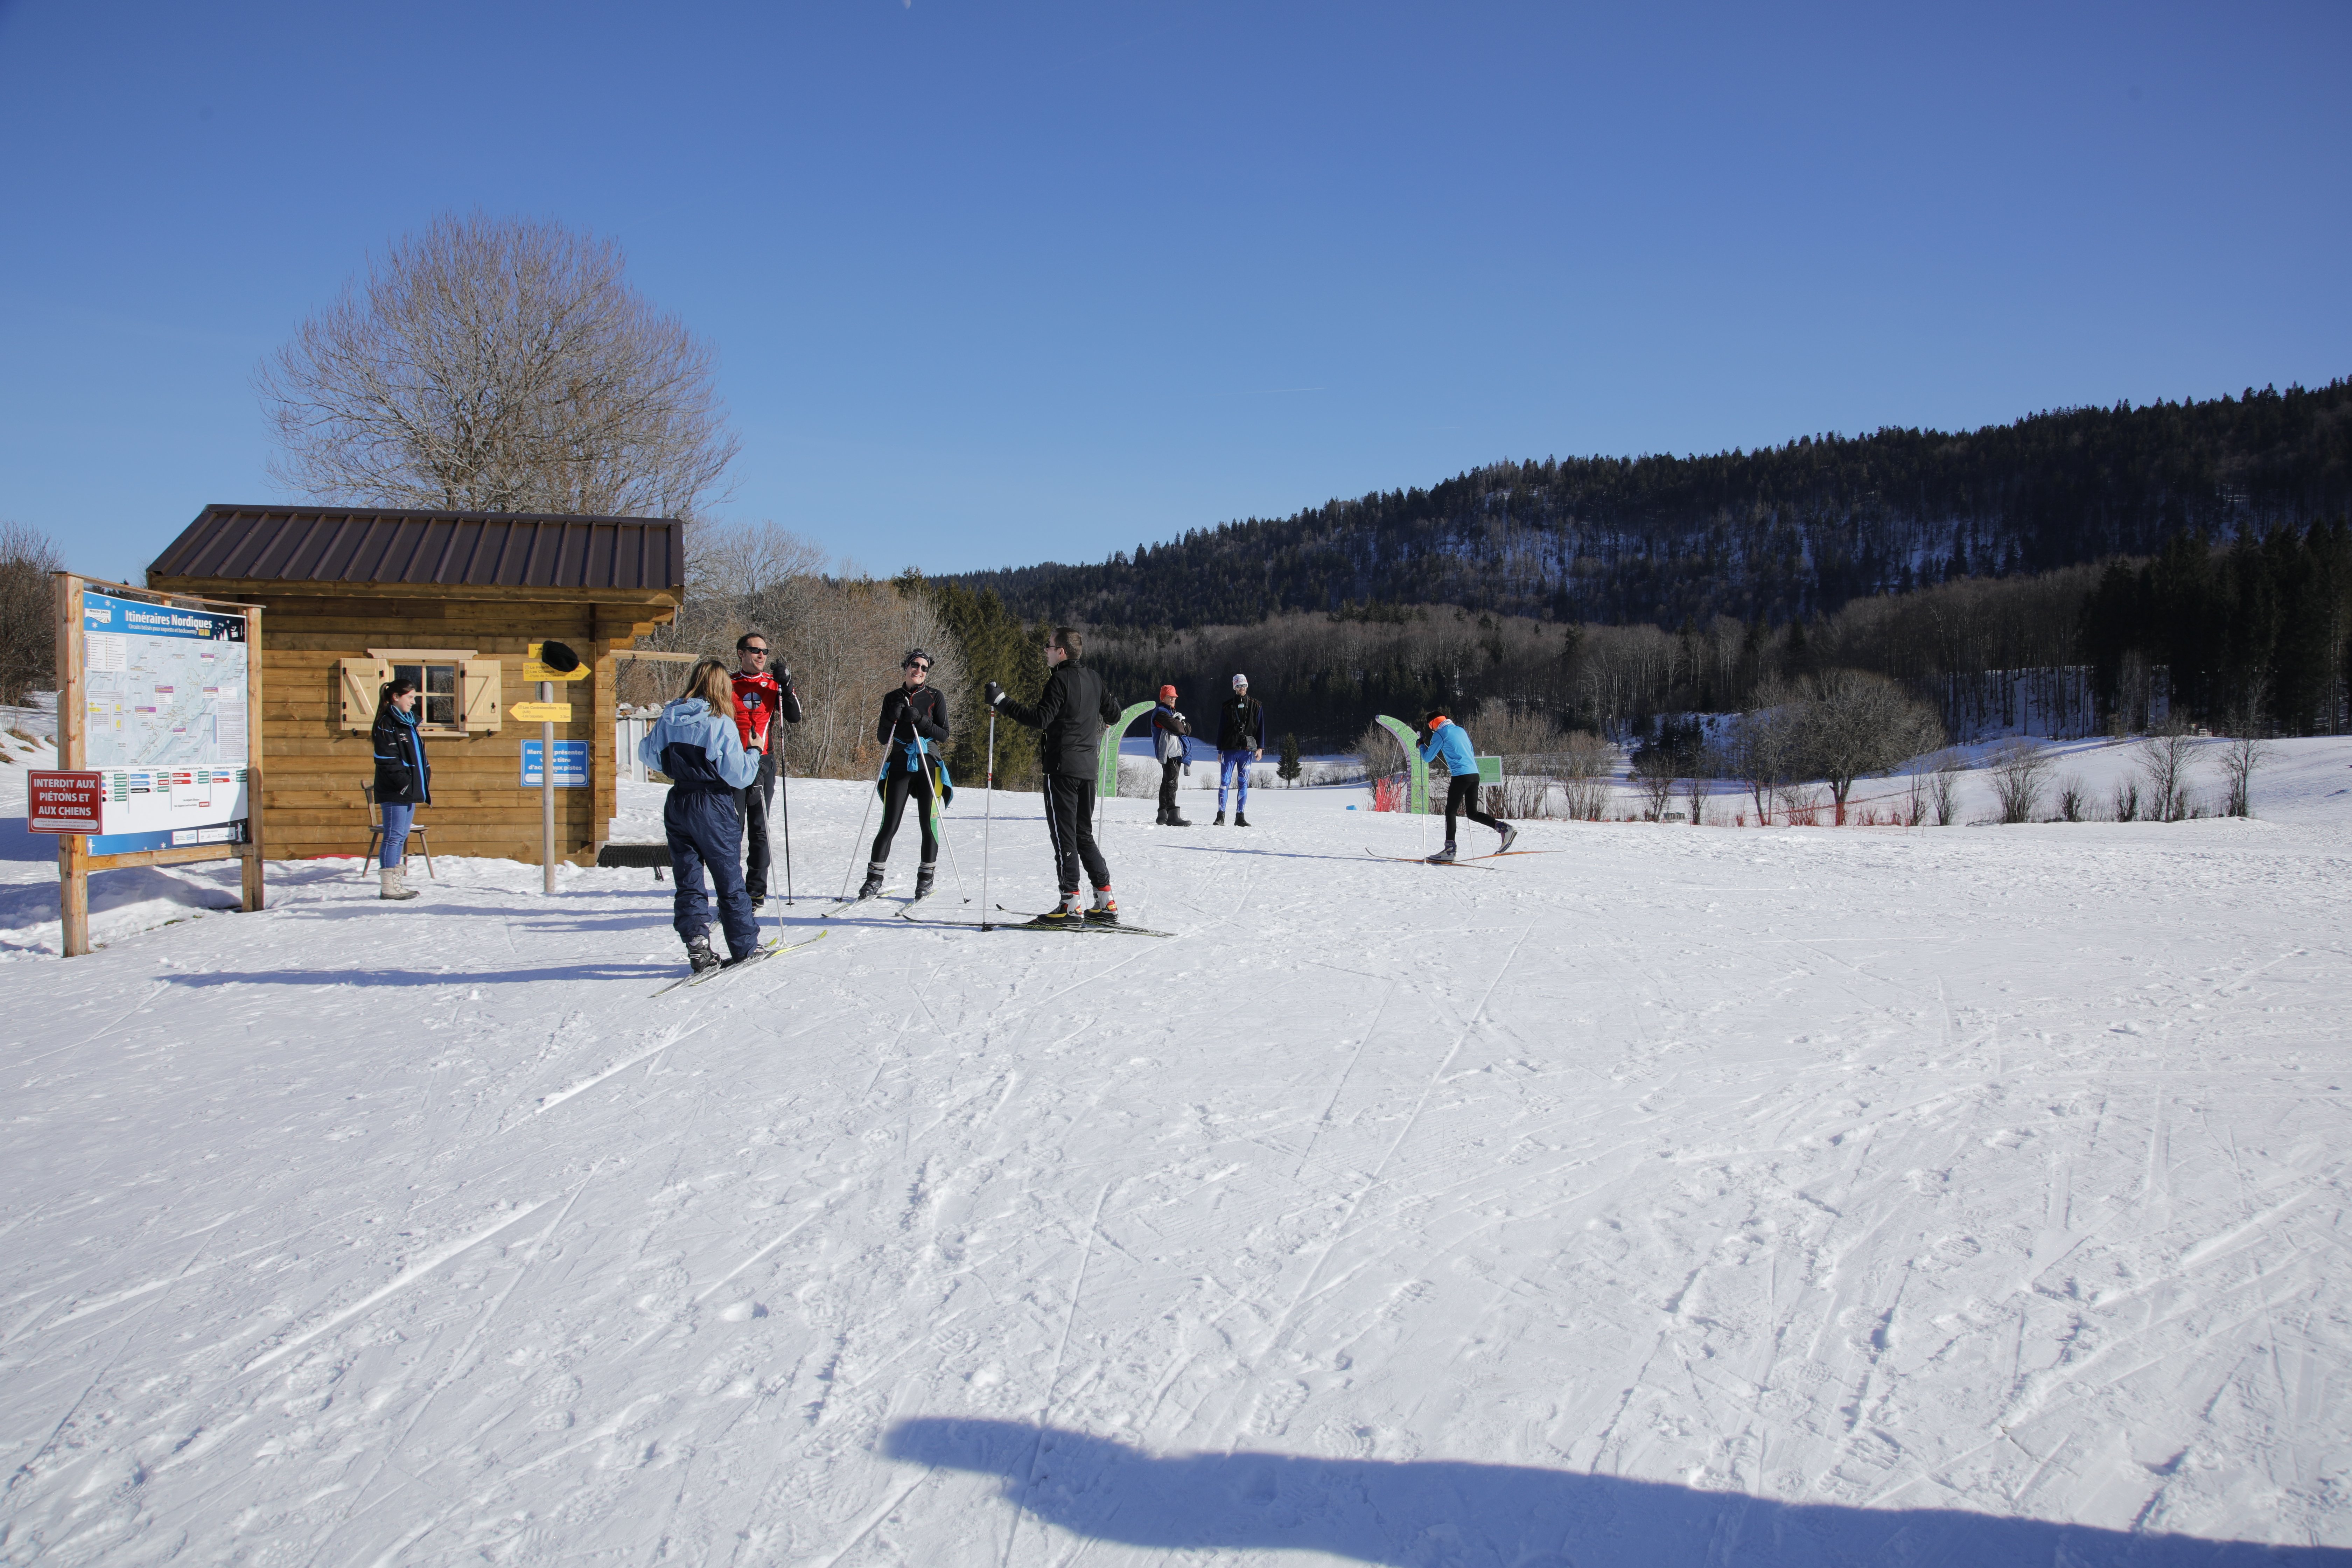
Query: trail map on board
[(163, 722), (162, 687)]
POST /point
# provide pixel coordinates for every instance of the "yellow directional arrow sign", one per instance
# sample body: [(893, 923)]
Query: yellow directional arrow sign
[(534, 670), (543, 712)]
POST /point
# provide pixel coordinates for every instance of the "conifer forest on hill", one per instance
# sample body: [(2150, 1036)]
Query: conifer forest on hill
[(1772, 535), (2203, 540)]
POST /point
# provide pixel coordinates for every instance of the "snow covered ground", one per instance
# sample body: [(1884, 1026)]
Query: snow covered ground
[(1678, 1196)]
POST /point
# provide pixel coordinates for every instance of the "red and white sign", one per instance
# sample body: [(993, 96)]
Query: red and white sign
[(63, 803)]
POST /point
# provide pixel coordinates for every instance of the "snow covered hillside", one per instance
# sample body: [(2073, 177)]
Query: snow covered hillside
[(1674, 1195)]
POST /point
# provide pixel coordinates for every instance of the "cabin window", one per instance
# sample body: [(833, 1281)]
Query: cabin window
[(457, 692), (437, 693)]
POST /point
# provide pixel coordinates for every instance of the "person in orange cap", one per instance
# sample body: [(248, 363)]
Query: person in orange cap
[(1168, 729)]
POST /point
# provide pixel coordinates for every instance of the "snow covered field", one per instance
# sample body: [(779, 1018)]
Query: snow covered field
[(1681, 1195)]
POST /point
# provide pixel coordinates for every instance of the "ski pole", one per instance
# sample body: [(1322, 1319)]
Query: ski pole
[(784, 783), (987, 816), (851, 869), (939, 828)]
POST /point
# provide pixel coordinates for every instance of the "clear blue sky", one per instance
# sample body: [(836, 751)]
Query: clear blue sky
[(997, 283)]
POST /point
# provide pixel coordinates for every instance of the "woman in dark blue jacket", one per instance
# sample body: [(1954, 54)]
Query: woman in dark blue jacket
[(403, 780), (698, 743)]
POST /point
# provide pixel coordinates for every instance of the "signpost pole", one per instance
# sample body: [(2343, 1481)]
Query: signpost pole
[(253, 847), (547, 788)]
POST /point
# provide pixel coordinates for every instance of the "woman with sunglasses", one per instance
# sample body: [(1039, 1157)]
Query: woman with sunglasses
[(914, 723)]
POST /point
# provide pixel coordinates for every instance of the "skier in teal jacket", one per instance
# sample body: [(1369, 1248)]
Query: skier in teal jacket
[(1442, 737)]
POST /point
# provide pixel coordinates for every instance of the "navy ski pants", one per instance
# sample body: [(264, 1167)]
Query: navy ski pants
[(705, 829)]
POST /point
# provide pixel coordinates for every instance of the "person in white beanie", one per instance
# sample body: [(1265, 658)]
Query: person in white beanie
[(1241, 740)]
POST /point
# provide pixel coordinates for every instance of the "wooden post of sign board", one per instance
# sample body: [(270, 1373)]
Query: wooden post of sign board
[(73, 849)]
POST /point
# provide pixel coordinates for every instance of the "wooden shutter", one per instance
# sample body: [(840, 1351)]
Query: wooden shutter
[(478, 680), (360, 683)]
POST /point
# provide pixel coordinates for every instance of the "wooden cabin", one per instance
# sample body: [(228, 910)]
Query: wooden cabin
[(350, 594)]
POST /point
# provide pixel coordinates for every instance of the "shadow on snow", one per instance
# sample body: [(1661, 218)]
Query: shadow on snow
[(1420, 1513)]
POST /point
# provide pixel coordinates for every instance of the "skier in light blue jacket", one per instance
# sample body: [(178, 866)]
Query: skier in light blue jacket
[(699, 744), (1442, 737)]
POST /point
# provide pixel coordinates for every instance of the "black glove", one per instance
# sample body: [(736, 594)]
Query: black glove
[(784, 675), (991, 694)]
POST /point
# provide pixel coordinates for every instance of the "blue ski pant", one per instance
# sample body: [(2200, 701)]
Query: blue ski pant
[(1233, 768), (705, 829), (397, 817)]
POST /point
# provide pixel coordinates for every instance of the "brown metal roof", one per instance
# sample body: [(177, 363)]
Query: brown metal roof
[(368, 544)]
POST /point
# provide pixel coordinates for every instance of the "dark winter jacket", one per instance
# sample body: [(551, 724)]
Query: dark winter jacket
[(905, 715), (700, 751), (1240, 724), (1168, 729), (402, 774), (1073, 711)]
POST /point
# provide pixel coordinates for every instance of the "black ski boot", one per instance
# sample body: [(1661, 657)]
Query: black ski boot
[(1240, 821), (699, 955), (1220, 822), (873, 881), (1176, 821), (1443, 856), (1065, 915), (923, 875)]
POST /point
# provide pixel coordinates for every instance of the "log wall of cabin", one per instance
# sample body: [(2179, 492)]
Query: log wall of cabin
[(314, 769)]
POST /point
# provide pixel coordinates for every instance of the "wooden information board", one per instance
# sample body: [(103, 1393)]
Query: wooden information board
[(158, 703)]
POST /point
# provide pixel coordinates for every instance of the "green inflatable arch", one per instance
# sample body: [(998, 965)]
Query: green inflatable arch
[(1417, 795), (1106, 763)]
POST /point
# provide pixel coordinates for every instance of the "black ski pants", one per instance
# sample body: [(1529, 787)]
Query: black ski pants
[(704, 830), (751, 803), (1461, 797), (1070, 824), (1168, 772), (897, 786)]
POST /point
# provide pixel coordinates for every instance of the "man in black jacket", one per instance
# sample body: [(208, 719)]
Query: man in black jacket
[(1074, 711), (1241, 740)]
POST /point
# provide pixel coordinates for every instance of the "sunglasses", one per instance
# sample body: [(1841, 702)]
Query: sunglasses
[(761, 651), (917, 664)]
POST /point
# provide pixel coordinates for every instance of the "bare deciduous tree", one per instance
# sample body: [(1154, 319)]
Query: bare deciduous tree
[(1586, 762), (1760, 748), (2163, 758), (498, 364), (1943, 787), (1855, 722), (2021, 772), (1654, 777), (2240, 760), (2072, 796), (28, 638)]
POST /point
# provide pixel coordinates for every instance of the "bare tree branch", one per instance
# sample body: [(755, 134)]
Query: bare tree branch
[(498, 365)]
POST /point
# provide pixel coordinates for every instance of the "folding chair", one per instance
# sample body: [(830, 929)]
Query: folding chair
[(375, 836)]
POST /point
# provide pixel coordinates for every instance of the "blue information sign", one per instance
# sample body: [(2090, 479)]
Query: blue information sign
[(571, 764)]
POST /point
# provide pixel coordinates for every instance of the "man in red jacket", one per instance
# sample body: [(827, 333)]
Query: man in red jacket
[(763, 693)]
